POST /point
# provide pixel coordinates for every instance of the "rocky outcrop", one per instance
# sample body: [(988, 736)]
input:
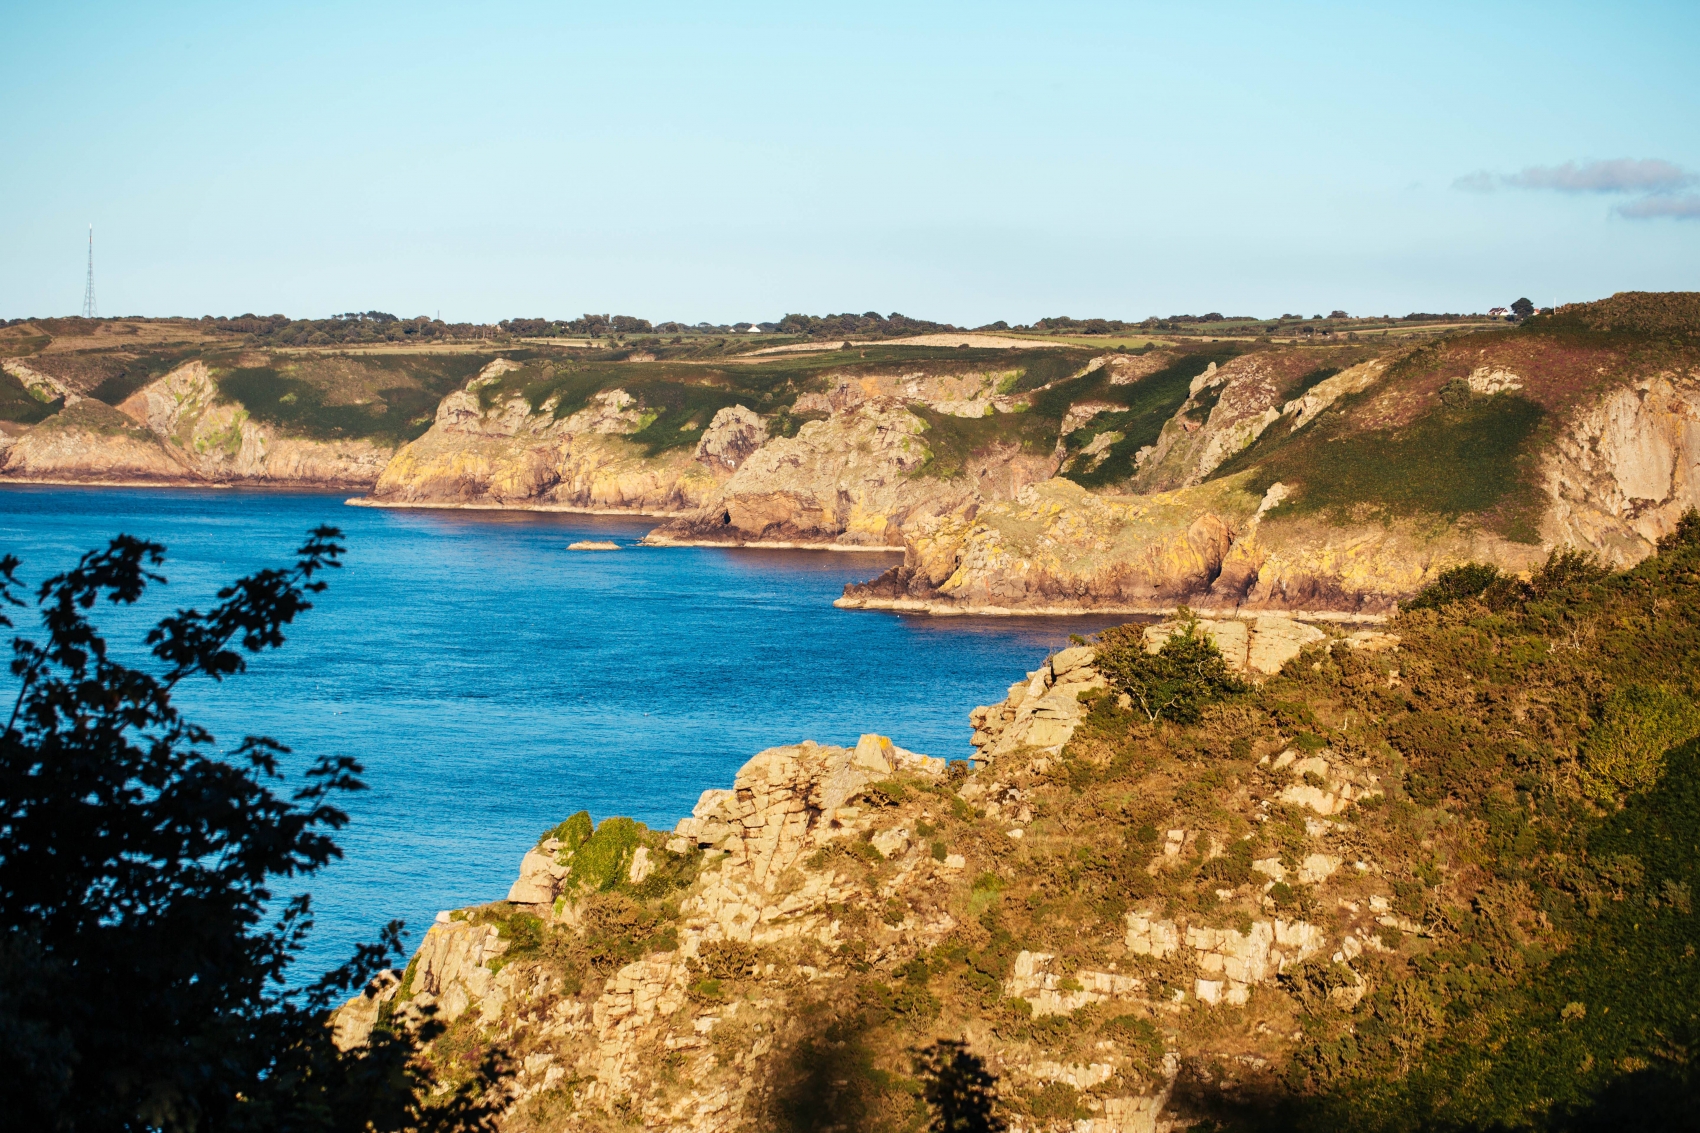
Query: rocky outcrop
[(1041, 712), (856, 479), (508, 454), (44, 386), (822, 869), (93, 442), (1229, 408), (179, 429), (1059, 549), (1626, 468), (731, 438)]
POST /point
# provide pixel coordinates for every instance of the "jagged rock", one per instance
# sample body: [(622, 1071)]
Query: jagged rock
[(539, 876), (855, 479), (1041, 712), (1626, 469), (731, 437)]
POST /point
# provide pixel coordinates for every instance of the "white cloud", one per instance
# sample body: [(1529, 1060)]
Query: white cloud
[(1684, 207), (1481, 181), (1622, 175)]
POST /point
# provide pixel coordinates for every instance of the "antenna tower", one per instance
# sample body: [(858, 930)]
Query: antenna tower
[(90, 310)]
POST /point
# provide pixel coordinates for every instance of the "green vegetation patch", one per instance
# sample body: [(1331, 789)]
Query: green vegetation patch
[(299, 407), (1471, 457), (681, 398), (1150, 403), (953, 441), (333, 397), (19, 405)]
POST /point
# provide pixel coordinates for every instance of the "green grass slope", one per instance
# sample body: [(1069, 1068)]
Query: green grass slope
[(1419, 443)]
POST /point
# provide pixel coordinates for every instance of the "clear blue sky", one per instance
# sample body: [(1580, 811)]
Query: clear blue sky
[(738, 161)]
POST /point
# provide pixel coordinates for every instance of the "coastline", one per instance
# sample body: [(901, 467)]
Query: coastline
[(566, 509), (327, 486), (890, 605), (951, 609), (651, 540)]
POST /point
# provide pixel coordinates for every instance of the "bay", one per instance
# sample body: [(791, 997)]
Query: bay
[(493, 682)]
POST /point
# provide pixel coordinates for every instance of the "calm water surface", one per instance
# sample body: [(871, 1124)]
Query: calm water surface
[(493, 682)]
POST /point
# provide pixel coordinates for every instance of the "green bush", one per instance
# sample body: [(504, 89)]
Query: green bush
[(572, 833), (1174, 683), (1625, 751), (601, 862)]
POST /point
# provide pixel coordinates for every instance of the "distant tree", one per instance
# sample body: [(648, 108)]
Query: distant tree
[(1522, 308), (958, 1088), (1338, 315), (140, 987)]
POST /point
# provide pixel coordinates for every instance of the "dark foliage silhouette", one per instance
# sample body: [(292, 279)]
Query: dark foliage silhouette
[(958, 1089), (141, 986)]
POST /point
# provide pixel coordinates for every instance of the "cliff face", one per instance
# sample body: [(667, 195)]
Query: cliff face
[(1627, 468), (179, 429), (1623, 465), (830, 879), (855, 479), (507, 455)]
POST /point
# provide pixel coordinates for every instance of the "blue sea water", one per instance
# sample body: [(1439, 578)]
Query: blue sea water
[(493, 682)]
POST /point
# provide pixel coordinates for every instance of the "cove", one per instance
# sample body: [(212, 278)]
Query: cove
[(493, 682)]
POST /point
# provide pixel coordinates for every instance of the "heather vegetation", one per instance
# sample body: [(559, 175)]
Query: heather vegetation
[(1530, 855), (391, 399)]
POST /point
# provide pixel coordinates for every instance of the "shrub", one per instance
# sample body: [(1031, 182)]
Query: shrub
[(1625, 751), (1461, 582), (1057, 1101), (1176, 681), (572, 833), (601, 862)]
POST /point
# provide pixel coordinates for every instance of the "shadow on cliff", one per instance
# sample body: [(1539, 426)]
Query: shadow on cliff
[(828, 1081)]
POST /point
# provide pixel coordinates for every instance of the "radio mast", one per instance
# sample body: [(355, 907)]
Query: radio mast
[(90, 311)]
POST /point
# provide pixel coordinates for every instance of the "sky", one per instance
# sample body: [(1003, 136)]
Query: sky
[(958, 162)]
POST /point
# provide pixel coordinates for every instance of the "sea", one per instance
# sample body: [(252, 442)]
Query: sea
[(492, 682)]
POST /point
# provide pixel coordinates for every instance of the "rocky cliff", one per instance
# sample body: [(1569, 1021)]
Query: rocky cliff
[(177, 429), (858, 479), (503, 452), (827, 882), (1339, 491), (1372, 890)]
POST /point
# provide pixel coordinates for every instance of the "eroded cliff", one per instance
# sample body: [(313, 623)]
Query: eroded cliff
[(179, 428)]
